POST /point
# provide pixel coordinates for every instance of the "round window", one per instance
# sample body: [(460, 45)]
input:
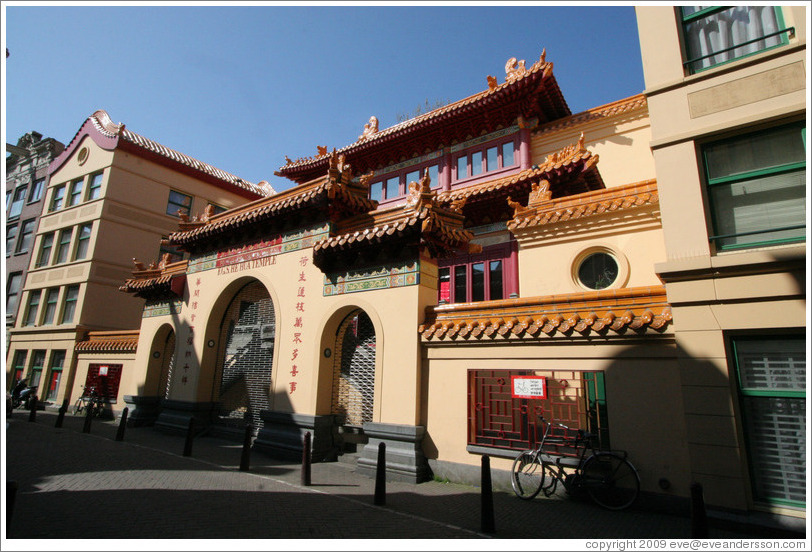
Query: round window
[(598, 271), (83, 155)]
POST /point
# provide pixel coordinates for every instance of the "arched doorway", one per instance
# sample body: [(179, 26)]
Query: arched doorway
[(244, 362), (354, 370)]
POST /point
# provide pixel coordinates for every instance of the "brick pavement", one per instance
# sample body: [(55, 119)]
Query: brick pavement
[(77, 485)]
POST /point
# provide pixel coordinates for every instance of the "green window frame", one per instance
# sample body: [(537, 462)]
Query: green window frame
[(715, 35), (83, 241), (63, 248), (32, 307), (75, 196), (45, 247), (20, 356), (51, 302), (37, 364), (771, 379), (57, 364), (57, 199), (94, 190), (178, 203), (69, 309), (757, 187)]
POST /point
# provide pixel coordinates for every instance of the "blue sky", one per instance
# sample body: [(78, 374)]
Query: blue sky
[(242, 87)]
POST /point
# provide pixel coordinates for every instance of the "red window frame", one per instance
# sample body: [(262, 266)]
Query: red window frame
[(377, 190), (483, 149), (504, 252)]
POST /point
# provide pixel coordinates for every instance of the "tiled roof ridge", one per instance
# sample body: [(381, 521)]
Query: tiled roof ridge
[(104, 125), (617, 310), (109, 341), (336, 184), (519, 74), (595, 202), (624, 105)]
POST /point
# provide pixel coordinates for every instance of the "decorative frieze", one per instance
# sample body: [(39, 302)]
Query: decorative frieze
[(371, 279), (162, 308), (259, 253)]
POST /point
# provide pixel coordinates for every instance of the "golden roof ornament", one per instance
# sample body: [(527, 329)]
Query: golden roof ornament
[(370, 128), (322, 150)]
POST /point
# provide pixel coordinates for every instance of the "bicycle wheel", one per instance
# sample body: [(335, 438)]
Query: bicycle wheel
[(527, 475), (610, 480)]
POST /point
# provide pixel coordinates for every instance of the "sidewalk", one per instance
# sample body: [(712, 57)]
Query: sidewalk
[(76, 485)]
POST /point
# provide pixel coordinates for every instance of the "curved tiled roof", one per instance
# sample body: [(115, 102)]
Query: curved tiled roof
[(517, 84), (626, 105), (124, 341), (573, 160), (155, 280), (335, 189), (587, 204), (597, 312), (117, 135), (439, 229)]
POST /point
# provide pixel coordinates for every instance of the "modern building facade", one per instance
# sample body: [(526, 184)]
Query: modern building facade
[(727, 95), (26, 182), (111, 197)]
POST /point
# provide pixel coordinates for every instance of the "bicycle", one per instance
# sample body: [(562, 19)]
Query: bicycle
[(90, 400), (609, 479)]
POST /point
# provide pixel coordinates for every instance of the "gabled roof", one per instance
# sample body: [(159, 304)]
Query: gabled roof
[(109, 136), (528, 93)]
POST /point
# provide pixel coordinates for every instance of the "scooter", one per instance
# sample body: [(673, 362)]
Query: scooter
[(22, 394)]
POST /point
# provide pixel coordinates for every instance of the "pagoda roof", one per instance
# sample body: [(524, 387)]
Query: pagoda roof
[(542, 210), (157, 281), (120, 341), (595, 312), (420, 223), (526, 93), (109, 136), (569, 171), (334, 196)]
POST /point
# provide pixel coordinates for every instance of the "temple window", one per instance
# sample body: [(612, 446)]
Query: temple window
[(69, 308), (484, 159), (395, 184), (477, 277), (94, 190), (51, 299), (83, 241), (63, 248), (45, 247), (32, 307)]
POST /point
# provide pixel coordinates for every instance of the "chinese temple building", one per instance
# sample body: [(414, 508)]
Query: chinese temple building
[(398, 288)]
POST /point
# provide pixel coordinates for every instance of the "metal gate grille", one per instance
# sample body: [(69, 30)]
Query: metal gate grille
[(497, 419), (772, 378), (167, 365), (248, 332), (354, 370)]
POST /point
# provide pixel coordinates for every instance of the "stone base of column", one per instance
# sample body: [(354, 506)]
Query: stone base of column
[(175, 415), (282, 436), (405, 460), (143, 410)]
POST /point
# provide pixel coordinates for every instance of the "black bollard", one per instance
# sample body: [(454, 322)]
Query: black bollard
[(306, 460), (61, 417), (699, 518), (190, 433), (11, 496), (246, 448), (380, 476), (122, 424), (32, 416), (488, 525), (88, 416)]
